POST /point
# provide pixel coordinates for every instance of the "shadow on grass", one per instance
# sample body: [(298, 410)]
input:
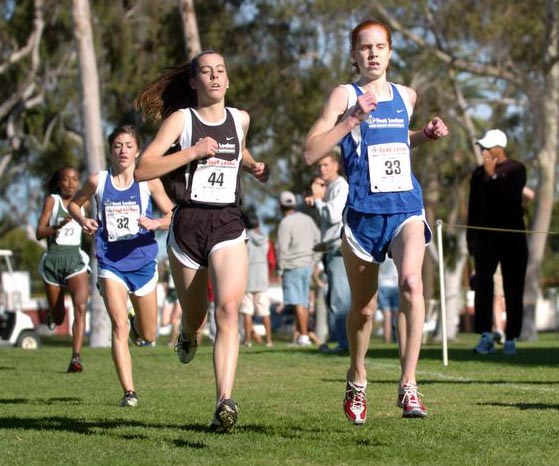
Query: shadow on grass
[(539, 356), (79, 426), (186, 444), (58, 341), (41, 401), (523, 406), (68, 424), (102, 427), (311, 433)]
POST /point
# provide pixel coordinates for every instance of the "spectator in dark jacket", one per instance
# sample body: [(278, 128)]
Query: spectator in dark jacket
[(495, 204)]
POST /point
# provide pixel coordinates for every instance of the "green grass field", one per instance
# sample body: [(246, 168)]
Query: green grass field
[(483, 410)]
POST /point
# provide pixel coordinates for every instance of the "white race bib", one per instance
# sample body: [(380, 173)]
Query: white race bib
[(389, 167), (215, 181), (69, 235), (122, 221)]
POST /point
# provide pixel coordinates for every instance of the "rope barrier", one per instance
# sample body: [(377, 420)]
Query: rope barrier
[(504, 230), (439, 226)]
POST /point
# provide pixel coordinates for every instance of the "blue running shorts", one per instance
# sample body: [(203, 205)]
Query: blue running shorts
[(370, 235), (138, 282)]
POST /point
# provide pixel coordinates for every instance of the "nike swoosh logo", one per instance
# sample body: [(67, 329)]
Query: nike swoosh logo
[(229, 139), (400, 111)]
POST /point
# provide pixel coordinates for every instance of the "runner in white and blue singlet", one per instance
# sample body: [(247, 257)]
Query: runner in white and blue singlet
[(126, 248), (384, 212), (383, 191)]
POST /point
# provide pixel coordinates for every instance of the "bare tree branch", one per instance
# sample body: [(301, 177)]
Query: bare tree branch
[(446, 56), (32, 46), (28, 87)]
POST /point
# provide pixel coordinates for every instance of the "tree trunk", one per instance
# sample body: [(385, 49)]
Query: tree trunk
[(190, 28), (547, 159), (93, 137)]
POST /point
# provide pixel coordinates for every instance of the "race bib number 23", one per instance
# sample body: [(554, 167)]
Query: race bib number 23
[(70, 234)]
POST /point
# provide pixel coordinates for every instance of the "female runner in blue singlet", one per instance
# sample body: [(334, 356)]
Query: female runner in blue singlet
[(126, 247), (384, 213)]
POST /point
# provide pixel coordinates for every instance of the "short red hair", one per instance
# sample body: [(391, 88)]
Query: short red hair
[(369, 23)]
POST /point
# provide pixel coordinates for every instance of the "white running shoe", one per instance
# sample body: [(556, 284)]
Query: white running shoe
[(130, 399), (355, 403), (408, 400)]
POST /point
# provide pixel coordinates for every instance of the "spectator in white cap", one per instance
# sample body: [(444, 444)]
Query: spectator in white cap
[(288, 199), (496, 189), (297, 236), (493, 138)]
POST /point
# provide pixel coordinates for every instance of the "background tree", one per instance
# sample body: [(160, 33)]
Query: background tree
[(100, 335), (190, 28)]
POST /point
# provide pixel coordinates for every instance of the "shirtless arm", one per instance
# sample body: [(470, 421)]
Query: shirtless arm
[(153, 164), (163, 203), (88, 225), (45, 230), (259, 170), (433, 129), (334, 122)]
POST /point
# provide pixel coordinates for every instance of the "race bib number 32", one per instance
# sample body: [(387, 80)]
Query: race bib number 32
[(122, 221), (389, 167)]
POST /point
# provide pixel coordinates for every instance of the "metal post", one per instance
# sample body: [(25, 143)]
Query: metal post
[(439, 224)]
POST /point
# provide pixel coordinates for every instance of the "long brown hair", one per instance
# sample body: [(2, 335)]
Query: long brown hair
[(171, 91)]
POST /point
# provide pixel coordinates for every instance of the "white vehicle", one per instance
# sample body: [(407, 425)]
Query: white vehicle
[(16, 327)]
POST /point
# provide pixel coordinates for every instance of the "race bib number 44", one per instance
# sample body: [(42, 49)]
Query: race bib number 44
[(122, 221), (389, 167), (215, 182)]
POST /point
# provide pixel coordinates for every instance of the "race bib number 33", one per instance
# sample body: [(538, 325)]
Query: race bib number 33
[(122, 221), (389, 167)]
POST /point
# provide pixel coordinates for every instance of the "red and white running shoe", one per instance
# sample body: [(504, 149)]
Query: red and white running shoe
[(408, 400), (355, 403)]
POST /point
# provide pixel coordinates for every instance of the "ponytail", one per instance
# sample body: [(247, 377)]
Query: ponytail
[(171, 91), (166, 94)]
